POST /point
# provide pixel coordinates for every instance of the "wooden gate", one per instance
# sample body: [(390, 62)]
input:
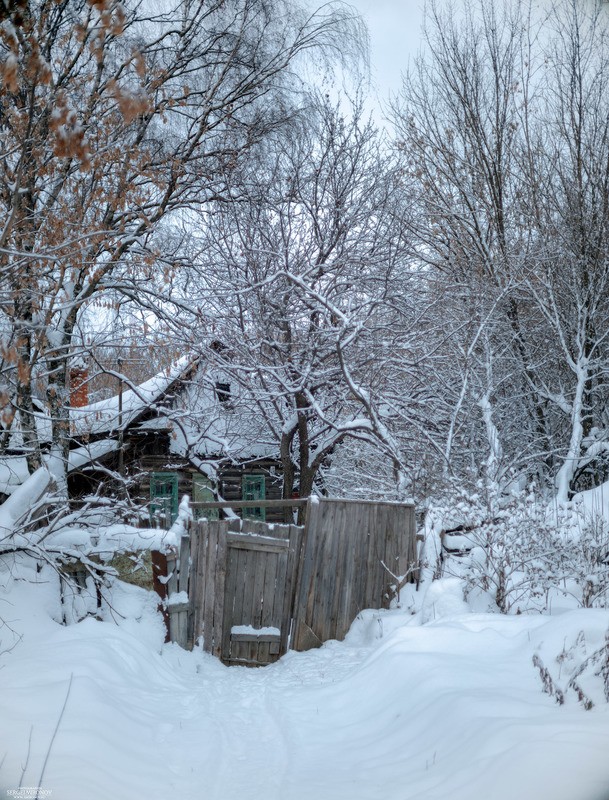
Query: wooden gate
[(254, 589), (243, 580)]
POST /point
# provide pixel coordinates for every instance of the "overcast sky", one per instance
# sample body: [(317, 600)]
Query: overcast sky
[(395, 36)]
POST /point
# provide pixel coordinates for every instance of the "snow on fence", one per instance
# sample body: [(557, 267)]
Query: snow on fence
[(246, 591)]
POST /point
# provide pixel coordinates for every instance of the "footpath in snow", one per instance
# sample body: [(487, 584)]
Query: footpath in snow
[(451, 709)]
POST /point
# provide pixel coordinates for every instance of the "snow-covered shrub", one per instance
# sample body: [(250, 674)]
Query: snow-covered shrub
[(513, 556), (584, 547), (581, 670), (523, 557)]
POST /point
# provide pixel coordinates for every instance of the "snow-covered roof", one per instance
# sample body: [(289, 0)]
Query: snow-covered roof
[(104, 416), (14, 471), (88, 453), (204, 426), (201, 424)]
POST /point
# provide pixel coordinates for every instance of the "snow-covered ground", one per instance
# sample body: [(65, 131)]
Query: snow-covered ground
[(452, 708)]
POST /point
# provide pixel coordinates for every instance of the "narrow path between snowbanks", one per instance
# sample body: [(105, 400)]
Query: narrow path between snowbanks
[(448, 710)]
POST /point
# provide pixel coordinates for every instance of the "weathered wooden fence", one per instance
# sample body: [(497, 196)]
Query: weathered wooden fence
[(356, 553), (247, 591)]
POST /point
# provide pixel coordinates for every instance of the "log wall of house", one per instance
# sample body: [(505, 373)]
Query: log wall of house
[(146, 452), (149, 453), (231, 482)]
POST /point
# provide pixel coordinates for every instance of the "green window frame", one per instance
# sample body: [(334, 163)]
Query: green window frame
[(202, 492), (253, 488), (164, 495)]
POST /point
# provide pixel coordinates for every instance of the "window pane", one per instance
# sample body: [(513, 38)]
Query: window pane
[(164, 495), (202, 492), (252, 488)]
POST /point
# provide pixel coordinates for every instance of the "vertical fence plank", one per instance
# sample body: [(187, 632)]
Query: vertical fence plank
[(230, 591), (261, 564), (202, 532), (355, 573), (219, 587), (192, 582), (339, 611), (303, 635), (177, 574), (184, 572), (208, 585), (372, 526), (250, 600), (288, 611), (325, 573), (352, 568), (172, 573)]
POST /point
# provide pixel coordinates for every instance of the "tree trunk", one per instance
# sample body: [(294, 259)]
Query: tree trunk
[(569, 465)]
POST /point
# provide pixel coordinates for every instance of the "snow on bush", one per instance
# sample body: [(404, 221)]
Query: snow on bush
[(516, 555)]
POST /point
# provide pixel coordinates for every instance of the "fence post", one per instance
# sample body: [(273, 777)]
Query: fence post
[(159, 570)]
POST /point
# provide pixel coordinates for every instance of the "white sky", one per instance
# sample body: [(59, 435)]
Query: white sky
[(395, 37)]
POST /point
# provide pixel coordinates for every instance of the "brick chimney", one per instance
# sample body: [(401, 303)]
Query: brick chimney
[(79, 386)]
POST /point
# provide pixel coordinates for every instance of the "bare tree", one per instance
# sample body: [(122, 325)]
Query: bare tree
[(503, 128), (569, 281), (114, 117), (300, 270)]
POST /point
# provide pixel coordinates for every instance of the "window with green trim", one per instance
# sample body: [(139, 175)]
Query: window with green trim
[(252, 488), (202, 492), (164, 495)]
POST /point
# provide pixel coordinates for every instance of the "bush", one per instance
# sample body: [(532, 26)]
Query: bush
[(525, 558)]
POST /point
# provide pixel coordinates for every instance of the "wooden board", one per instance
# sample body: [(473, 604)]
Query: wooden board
[(353, 551)]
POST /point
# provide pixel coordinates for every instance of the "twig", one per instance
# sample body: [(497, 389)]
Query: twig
[(400, 580), (548, 684), (46, 758), (18, 638), (581, 696), (27, 758)]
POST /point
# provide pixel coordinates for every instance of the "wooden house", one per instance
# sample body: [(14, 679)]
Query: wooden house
[(185, 431)]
